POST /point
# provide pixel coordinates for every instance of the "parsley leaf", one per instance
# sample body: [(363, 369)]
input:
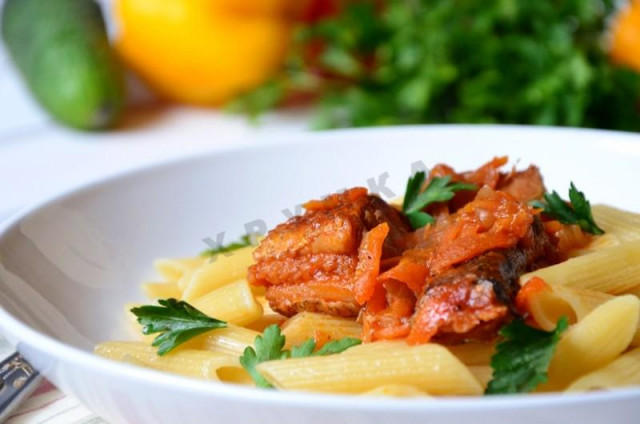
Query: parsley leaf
[(176, 320), (440, 189), (270, 346), (522, 360), (304, 350), (336, 346), (245, 241), (578, 213)]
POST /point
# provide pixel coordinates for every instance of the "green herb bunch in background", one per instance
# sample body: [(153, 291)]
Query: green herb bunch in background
[(452, 61)]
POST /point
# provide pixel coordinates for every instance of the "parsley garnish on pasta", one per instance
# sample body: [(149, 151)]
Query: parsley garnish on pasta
[(578, 212), (439, 189), (177, 321), (521, 361), (270, 346)]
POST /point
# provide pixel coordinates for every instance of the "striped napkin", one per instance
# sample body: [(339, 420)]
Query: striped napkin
[(49, 405)]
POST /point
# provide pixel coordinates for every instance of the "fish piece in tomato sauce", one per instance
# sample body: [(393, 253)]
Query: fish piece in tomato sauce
[(309, 262), (474, 299), (524, 186)]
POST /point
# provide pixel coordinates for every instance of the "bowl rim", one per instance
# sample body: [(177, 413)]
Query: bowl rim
[(122, 371)]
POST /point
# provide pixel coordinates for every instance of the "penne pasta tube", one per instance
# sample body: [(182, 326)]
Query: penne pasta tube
[(397, 390), (429, 367), (265, 321), (269, 316), (231, 340), (233, 303), (548, 306), (624, 371), (615, 270), (473, 354), (604, 241), (621, 224), (218, 271), (192, 363), (185, 279), (594, 342), (234, 375), (482, 373), (173, 269), (635, 341), (307, 325), (162, 290)]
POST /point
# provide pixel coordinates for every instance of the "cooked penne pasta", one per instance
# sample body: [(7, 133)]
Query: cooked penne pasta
[(192, 363), (234, 374), (635, 341), (185, 279), (231, 340), (430, 286), (601, 242), (162, 290), (233, 303), (268, 318), (306, 325), (472, 354), (173, 269), (397, 390), (482, 373), (218, 271), (429, 367), (615, 270), (265, 321), (623, 225), (548, 306), (594, 342), (624, 371)]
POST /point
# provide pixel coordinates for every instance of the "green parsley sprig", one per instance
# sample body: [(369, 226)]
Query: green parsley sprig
[(440, 189), (521, 361), (577, 213), (177, 321), (270, 346)]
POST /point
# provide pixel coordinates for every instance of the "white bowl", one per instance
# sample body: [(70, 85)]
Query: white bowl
[(67, 266)]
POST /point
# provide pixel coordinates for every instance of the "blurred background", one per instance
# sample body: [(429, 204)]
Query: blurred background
[(343, 62)]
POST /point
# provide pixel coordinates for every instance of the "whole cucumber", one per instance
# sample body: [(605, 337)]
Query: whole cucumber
[(62, 50)]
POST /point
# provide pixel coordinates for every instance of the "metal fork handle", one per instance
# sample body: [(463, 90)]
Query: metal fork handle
[(17, 380)]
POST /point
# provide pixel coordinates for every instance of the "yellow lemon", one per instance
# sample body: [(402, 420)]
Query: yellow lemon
[(203, 52)]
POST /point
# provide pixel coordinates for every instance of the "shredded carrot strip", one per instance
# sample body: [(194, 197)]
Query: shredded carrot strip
[(378, 301), (321, 338), (409, 272), (488, 174), (567, 237), (532, 287), (494, 220), (368, 266)]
